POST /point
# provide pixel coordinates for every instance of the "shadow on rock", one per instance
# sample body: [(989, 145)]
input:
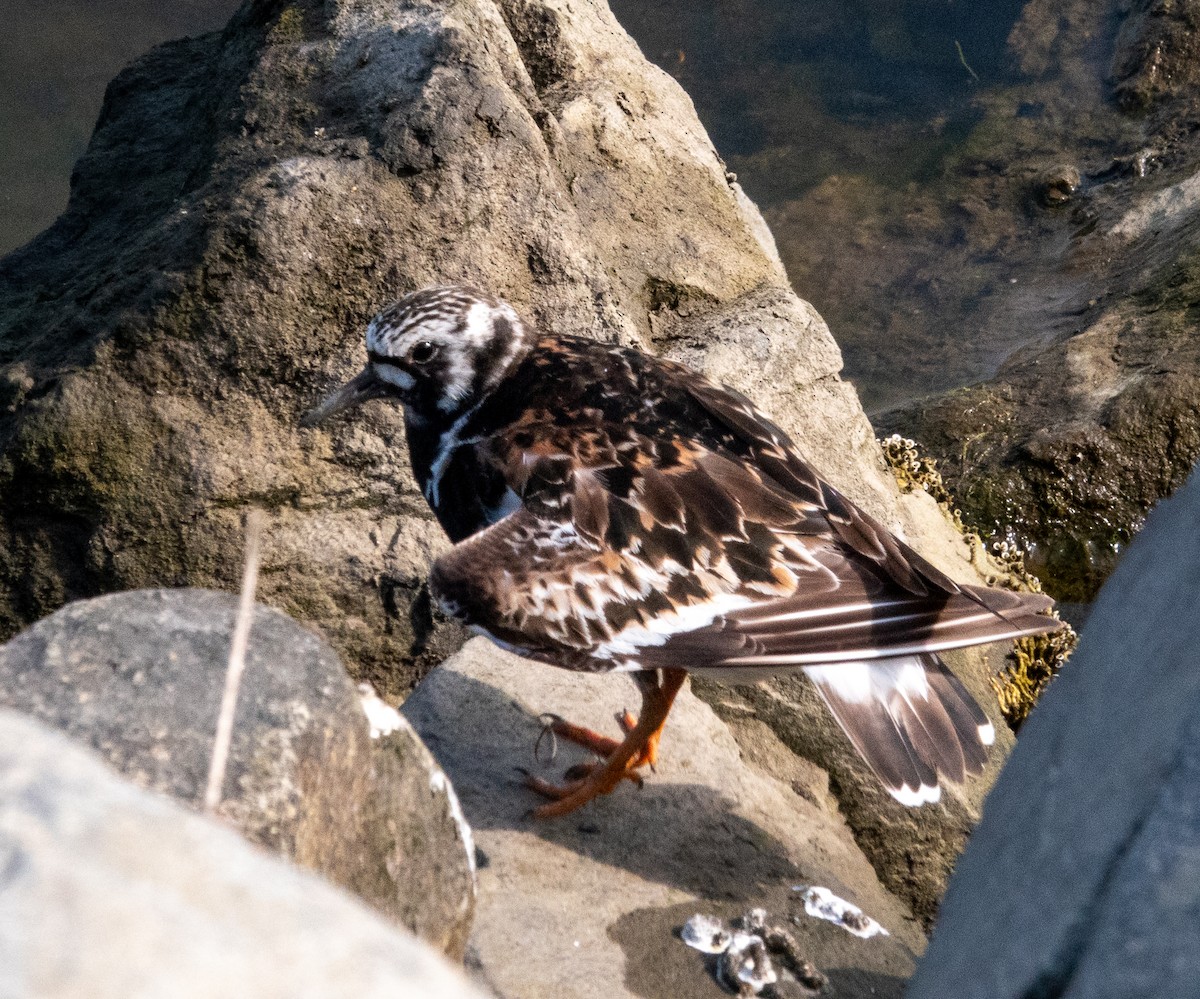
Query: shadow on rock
[(671, 831)]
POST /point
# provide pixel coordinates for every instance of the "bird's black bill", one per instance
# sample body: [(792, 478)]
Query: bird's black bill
[(363, 386)]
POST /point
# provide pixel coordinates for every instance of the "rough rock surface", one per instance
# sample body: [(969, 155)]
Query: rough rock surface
[(139, 676), (251, 197), (1082, 879), (111, 892), (590, 906)]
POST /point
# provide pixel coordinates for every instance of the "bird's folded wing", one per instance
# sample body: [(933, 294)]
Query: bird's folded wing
[(706, 563), (773, 451)]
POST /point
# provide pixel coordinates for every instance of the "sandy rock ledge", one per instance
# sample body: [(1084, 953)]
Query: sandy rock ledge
[(590, 905)]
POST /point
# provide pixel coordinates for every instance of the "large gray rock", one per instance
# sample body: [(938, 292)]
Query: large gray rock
[(1082, 878), (589, 907), (111, 892), (250, 198), (139, 677)]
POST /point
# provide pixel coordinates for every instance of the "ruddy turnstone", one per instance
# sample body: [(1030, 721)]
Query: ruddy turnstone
[(612, 511)]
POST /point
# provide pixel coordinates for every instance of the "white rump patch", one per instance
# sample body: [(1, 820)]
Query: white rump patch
[(878, 681), (859, 682)]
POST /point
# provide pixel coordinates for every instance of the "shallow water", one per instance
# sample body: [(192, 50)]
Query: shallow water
[(56, 57), (895, 151), (881, 142)]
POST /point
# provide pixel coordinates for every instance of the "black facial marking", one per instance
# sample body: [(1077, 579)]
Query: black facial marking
[(392, 362), (492, 353)]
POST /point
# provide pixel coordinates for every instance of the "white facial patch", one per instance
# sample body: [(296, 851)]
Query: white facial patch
[(479, 330), (461, 328), (459, 375), (394, 376)]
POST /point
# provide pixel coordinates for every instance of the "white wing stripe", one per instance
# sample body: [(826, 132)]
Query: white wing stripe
[(850, 655), (874, 623)]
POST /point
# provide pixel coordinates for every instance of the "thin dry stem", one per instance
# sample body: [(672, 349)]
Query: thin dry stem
[(237, 662)]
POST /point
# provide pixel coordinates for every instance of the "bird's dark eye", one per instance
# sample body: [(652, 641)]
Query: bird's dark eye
[(422, 353)]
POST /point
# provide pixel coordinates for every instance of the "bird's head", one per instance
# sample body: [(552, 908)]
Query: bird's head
[(439, 351)]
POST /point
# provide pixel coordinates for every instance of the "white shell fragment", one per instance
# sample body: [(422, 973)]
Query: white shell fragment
[(744, 964), (824, 904), (381, 716), (706, 934)]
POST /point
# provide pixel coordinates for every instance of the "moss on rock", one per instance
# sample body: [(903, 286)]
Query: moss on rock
[(1034, 661)]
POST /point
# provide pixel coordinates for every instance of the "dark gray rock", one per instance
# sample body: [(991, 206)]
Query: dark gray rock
[(138, 677), (1081, 879), (111, 892)]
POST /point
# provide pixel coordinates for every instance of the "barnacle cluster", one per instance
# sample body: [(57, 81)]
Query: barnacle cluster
[(1035, 660), (914, 470)]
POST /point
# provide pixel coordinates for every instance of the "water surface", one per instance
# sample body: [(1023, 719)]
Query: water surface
[(886, 144)]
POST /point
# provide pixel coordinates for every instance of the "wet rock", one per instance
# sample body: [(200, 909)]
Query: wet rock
[(1067, 451), (1057, 186), (139, 677), (1082, 878), (1079, 433), (1157, 55), (592, 905), (109, 891)]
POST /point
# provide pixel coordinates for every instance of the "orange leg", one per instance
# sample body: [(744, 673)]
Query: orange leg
[(601, 745), (640, 746)]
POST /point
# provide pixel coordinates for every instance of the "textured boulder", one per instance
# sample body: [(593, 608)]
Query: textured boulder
[(111, 892), (139, 677), (1082, 879), (590, 907), (248, 200), (251, 197)]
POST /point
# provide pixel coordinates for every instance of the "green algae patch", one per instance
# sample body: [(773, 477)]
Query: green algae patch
[(1035, 660)]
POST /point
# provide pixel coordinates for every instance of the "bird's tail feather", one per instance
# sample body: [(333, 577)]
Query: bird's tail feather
[(910, 719)]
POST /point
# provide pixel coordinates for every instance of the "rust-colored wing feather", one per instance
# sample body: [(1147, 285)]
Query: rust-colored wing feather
[(705, 560)]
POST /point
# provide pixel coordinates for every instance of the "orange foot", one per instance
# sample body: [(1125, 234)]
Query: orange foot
[(621, 760)]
